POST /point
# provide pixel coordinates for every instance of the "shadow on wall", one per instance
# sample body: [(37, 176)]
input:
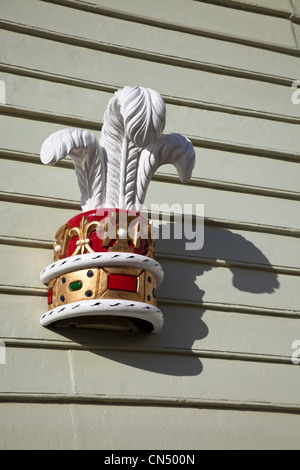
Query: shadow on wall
[(183, 322), (222, 244)]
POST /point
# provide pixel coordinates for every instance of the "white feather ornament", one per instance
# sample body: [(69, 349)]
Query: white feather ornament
[(116, 172), (171, 148), (88, 159), (134, 119)]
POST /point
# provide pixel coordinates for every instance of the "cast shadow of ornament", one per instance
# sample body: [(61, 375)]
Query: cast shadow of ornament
[(176, 350)]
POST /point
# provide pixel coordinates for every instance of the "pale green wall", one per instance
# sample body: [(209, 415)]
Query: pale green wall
[(219, 374)]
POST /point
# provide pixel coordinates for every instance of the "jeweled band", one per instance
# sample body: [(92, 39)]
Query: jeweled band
[(103, 283), (89, 267)]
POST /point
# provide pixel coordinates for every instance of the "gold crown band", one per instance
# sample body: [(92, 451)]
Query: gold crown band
[(103, 283)]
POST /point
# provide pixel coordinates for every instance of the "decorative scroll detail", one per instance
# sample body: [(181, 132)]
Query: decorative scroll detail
[(116, 173)]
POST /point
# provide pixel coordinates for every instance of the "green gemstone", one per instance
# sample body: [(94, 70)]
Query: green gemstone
[(154, 293), (76, 285)]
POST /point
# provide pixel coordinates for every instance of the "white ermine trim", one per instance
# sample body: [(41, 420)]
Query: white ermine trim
[(99, 260), (116, 308)]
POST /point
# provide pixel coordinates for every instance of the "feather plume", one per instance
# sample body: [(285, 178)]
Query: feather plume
[(171, 148), (116, 172), (88, 158), (134, 119)]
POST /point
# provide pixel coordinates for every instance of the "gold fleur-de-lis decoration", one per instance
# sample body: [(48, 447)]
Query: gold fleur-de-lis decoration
[(83, 233)]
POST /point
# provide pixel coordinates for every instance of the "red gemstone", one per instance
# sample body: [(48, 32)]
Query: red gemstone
[(122, 282), (50, 296)]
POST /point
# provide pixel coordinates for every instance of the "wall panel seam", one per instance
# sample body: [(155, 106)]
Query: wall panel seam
[(255, 8), (228, 263), (165, 177), (203, 305), (232, 187), (77, 41), (66, 120), (69, 346), (171, 402), (74, 205), (97, 9), (132, 17), (221, 263), (37, 114), (295, 17), (228, 307), (30, 157), (251, 7), (88, 84)]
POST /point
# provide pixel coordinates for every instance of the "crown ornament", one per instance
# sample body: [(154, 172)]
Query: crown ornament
[(104, 273)]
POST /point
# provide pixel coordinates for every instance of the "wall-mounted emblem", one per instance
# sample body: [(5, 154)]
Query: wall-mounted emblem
[(104, 273)]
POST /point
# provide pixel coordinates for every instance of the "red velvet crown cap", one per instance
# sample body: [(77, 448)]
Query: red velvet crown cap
[(95, 239)]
